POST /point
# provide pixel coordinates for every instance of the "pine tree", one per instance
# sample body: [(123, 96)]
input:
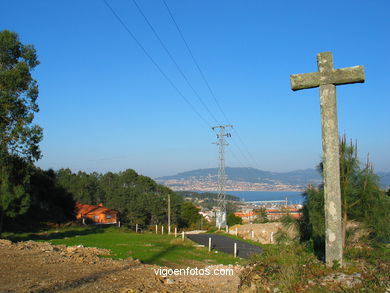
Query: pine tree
[(361, 196)]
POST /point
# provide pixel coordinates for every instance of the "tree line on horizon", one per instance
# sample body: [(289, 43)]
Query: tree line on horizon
[(29, 194), (139, 199)]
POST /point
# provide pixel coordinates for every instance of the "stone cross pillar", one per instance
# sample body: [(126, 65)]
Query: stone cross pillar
[(327, 78)]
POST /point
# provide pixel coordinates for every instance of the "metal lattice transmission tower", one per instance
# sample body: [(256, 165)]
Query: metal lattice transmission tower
[(221, 200)]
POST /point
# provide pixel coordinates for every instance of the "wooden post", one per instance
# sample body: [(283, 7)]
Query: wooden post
[(162, 229), (235, 249), (136, 228), (252, 234), (175, 232), (236, 231), (169, 214), (227, 229), (209, 244), (156, 228), (327, 78), (182, 235)]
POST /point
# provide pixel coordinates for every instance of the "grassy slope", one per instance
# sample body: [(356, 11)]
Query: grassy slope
[(148, 248)]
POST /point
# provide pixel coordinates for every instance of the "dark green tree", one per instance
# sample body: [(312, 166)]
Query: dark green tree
[(361, 197), (189, 214), (18, 96), (261, 216), (19, 138), (49, 201), (232, 220), (14, 187)]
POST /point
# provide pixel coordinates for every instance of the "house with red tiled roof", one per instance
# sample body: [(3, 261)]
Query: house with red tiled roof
[(97, 214), (247, 217), (272, 214)]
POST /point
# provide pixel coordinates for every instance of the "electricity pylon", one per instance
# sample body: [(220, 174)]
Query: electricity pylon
[(221, 200)]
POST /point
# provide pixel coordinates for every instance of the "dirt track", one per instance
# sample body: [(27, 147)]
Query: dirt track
[(42, 267)]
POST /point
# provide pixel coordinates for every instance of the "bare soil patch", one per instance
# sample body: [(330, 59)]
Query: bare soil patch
[(41, 267)]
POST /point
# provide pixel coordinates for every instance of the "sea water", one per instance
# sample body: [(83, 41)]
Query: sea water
[(293, 197)]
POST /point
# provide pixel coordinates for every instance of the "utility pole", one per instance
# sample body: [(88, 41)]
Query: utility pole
[(169, 214), (221, 200)]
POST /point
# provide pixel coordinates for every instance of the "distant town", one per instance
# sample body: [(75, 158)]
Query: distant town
[(210, 184), (249, 179)]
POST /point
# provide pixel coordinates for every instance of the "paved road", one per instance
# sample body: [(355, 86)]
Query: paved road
[(226, 244)]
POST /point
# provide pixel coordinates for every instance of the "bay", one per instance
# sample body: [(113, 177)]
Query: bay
[(293, 197)]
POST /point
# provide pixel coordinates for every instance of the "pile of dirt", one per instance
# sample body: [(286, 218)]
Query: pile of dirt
[(42, 267)]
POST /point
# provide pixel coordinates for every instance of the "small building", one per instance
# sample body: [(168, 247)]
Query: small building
[(97, 214), (208, 215), (273, 214), (247, 217), (277, 213)]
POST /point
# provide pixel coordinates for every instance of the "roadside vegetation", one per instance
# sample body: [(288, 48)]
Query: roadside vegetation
[(294, 268), (32, 200), (297, 265), (149, 248)]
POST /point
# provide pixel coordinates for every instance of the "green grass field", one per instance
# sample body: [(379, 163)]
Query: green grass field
[(147, 247)]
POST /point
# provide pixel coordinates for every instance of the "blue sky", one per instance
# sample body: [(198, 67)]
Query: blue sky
[(105, 107)]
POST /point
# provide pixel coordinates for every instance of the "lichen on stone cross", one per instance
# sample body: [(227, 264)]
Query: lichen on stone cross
[(327, 78)]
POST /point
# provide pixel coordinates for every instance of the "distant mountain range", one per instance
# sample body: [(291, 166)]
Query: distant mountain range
[(252, 178)]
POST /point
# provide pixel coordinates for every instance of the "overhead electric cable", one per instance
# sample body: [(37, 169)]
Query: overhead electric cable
[(160, 70), (163, 45), (240, 151), (194, 60), (205, 79), (155, 63), (173, 60), (237, 159)]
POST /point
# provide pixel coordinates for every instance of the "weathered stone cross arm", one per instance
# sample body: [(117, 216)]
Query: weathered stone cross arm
[(327, 74)]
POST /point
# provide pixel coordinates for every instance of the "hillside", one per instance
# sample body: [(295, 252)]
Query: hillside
[(249, 179)]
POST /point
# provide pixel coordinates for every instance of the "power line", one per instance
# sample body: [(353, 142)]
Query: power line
[(194, 60), (236, 157), (241, 152), (155, 63), (173, 60), (179, 68), (221, 214), (205, 80), (234, 154)]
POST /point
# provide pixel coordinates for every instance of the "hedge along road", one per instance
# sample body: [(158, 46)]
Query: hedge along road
[(226, 244)]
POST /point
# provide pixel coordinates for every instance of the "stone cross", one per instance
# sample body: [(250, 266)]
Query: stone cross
[(327, 78)]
